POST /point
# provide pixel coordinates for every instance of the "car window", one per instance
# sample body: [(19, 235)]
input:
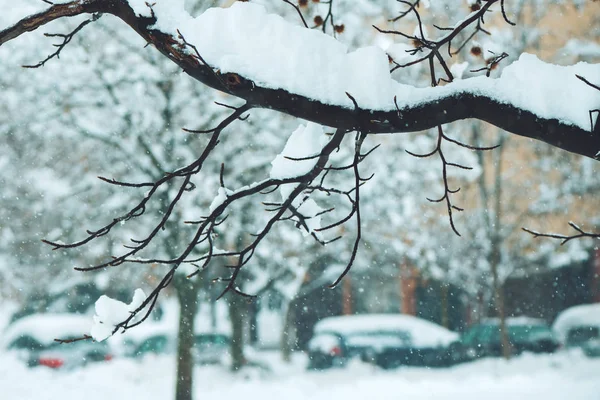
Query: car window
[(221, 339), (155, 344), (379, 339), (528, 332), (210, 340), (471, 335), (489, 334), (582, 334), (26, 343)]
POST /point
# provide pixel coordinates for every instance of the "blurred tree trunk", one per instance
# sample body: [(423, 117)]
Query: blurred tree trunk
[(445, 317), (495, 255), (491, 199), (187, 295), (499, 305), (347, 295), (237, 306), (288, 334), (253, 330)]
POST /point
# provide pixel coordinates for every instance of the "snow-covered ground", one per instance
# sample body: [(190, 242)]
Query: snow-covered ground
[(547, 377)]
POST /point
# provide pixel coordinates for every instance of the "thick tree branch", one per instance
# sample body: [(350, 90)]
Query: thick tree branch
[(449, 108)]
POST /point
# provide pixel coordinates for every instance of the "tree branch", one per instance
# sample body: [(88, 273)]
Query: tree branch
[(565, 238), (449, 107)]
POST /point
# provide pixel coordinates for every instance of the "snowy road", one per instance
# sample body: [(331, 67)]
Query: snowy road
[(559, 377)]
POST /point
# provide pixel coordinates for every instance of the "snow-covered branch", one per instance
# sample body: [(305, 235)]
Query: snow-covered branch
[(307, 74)]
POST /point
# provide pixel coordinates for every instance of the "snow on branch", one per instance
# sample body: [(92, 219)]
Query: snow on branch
[(111, 313), (272, 63)]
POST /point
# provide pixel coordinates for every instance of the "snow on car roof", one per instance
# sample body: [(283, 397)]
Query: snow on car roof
[(582, 315), (423, 333), (46, 327), (517, 321)]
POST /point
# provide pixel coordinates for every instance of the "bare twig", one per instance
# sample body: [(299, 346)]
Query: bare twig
[(66, 39), (565, 238)]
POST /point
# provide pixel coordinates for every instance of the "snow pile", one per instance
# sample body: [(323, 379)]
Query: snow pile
[(582, 315), (275, 53), (547, 377), (422, 333), (111, 312)]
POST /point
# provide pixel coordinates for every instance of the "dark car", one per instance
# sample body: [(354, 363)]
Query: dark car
[(33, 339), (587, 337), (579, 327), (154, 344), (387, 340), (483, 340), (209, 348)]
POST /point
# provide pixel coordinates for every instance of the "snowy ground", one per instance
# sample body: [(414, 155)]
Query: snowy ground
[(562, 376)]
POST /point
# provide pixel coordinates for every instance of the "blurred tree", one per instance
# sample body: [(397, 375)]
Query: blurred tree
[(324, 193)]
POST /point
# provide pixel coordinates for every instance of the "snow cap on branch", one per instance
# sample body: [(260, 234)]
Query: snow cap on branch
[(300, 153), (111, 312), (298, 157)]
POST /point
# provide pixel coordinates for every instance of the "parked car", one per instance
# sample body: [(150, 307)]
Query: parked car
[(209, 348), (33, 339), (579, 327), (154, 344), (387, 340), (483, 340)]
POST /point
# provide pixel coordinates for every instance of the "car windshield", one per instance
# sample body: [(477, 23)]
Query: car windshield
[(378, 339)]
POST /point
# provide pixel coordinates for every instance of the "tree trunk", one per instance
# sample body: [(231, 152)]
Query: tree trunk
[(499, 308), (493, 216), (504, 339), (237, 305), (288, 334), (496, 256), (187, 294), (445, 318), (347, 295)]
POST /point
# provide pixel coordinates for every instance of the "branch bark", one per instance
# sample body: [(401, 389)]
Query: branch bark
[(426, 115)]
